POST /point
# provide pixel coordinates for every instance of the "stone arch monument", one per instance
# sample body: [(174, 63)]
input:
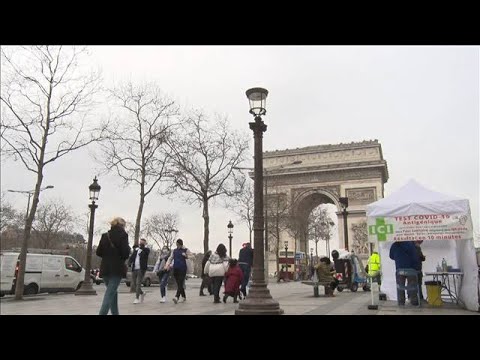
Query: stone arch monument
[(310, 176)]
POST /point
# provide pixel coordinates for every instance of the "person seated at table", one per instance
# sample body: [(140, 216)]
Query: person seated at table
[(405, 256), (326, 276)]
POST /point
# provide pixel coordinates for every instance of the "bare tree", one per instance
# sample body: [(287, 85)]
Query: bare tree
[(135, 145), (11, 222), (8, 215), (45, 97), (298, 224), (278, 210), (52, 218), (203, 159), (242, 204), (320, 227), (162, 228)]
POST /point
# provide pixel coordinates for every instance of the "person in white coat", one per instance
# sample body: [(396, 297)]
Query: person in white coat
[(216, 267)]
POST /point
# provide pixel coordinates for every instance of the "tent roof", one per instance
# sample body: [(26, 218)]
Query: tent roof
[(415, 199)]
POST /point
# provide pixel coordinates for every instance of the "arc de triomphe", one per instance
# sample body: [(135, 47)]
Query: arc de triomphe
[(301, 179)]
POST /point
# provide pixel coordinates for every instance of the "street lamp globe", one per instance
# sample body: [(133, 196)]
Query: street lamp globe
[(258, 99), (230, 227), (94, 189)]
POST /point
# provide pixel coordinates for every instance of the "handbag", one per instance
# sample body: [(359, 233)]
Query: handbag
[(125, 267)]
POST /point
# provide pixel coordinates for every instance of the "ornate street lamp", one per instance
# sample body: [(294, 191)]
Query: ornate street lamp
[(259, 300), (230, 236), (344, 204), (311, 256), (87, 288), (286, 259)]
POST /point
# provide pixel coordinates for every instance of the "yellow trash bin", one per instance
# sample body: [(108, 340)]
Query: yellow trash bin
[(434, 289)]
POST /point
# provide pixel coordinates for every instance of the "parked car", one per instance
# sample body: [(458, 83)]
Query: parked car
[(149, 278), (191, 276)]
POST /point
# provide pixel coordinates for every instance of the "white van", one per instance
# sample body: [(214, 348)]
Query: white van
[(44, 273)]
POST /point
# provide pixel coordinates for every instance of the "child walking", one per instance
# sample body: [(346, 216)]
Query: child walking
[(233, 281)]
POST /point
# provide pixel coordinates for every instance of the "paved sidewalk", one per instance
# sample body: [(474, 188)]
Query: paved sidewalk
[(294, 298)]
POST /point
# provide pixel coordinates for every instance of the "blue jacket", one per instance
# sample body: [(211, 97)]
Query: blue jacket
[(405, 255), (179, 261)]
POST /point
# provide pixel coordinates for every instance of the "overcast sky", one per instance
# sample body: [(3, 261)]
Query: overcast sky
[(421, 103)]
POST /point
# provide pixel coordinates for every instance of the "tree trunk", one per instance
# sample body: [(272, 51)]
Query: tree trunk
[(139, 217), (206, 222), (20, 280), (278, 250), (278, 264), (137, 227)]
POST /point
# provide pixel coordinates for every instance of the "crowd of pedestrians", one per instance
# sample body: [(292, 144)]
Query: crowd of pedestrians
[(217, 269)]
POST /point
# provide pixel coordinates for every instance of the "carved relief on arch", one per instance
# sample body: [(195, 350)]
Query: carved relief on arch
[(326, 176), (362, 196)]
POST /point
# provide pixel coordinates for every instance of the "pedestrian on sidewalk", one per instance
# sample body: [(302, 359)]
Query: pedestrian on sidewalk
[(114, 250), (245, 261), (178, 258), (233, 281), (162, 273), (138, 261), (216, 267), (206, 281)]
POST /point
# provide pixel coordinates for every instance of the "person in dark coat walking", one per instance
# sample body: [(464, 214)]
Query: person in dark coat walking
[(245, 260), (138, 261), (406, 257), (114, 250), (206, 281), (233, 280)]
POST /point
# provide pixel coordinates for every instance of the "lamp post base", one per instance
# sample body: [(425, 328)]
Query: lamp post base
[(259, 302), (86, 289)]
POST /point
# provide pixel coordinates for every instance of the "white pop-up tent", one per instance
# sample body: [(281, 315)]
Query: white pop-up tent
[(444, 222)]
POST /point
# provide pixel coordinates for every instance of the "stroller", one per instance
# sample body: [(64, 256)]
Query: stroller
[(350, 272)]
